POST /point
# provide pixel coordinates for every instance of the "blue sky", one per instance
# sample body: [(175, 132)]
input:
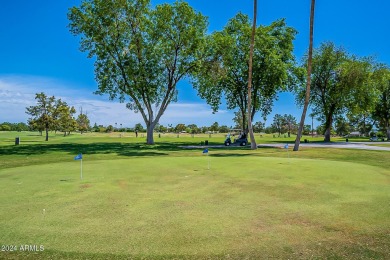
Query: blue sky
[(38, 53)]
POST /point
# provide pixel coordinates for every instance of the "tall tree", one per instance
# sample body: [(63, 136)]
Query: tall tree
[(225, 72), (141, 53), (214, 127), (342, 127), (308, 80), (338, 80), (361, 121), (194, 129), (180, 128), (139, 128), (278, 124), (258, 127), (238, 120), (250, 127), (361, 107), (290, 123), (66, 121), (381, 113), (83, 123), (42, 114)]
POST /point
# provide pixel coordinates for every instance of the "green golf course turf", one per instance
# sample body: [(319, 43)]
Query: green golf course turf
[(162, 201)]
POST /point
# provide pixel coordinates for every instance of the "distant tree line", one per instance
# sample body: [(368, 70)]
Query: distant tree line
[(179, 128), (7, 126)]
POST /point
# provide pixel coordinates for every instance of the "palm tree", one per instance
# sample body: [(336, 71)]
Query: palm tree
[(250, 128), (308, 81)]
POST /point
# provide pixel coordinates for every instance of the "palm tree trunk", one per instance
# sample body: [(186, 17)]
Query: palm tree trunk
[(250, 128), (308, 81)]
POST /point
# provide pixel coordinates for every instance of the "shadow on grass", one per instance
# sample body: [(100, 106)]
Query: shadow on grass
[(261, 146), (230, 154), (120, 148), (124, 149), (302, 142), (30, 141)]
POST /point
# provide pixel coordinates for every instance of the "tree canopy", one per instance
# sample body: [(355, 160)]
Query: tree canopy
[(42, 114), (83, 123), (51, 114), (381, 112), (339, 81), (224, 74), (141, 53)]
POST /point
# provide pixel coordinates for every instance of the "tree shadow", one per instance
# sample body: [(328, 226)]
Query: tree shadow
[(230, 154), (260, 146), (120, 148), (293, 142)]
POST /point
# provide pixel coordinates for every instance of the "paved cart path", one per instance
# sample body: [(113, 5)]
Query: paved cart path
[(347, 145)]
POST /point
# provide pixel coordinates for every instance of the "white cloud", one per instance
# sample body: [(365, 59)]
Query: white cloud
[(18, 92)]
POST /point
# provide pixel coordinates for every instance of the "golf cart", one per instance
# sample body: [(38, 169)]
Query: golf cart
[(241, 140)]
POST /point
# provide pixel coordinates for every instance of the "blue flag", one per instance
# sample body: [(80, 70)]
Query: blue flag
[(206, 150), (78, 157), (286, 146)]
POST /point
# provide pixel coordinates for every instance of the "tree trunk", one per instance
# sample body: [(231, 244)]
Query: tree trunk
[(250, 128), (328, 127), (149, 133), (47, 134), (308, 81), (388, 132), (327, 135)]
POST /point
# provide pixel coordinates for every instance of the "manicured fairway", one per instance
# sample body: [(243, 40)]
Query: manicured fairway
[(173, 206)]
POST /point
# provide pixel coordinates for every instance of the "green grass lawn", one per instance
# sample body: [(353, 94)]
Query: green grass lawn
[(162, 201), (385, 144)]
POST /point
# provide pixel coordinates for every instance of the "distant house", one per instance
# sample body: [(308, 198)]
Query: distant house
[(354, 134)]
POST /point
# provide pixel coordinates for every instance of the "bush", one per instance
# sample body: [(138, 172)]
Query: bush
[(5, 127), (380, 134), (109, 129)]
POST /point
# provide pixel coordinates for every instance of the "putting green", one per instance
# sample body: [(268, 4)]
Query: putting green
[(164, 206)]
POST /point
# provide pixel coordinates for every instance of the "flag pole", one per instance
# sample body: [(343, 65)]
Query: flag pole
[(288, 154), (80, 157), (208, 161), (206, 151)]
